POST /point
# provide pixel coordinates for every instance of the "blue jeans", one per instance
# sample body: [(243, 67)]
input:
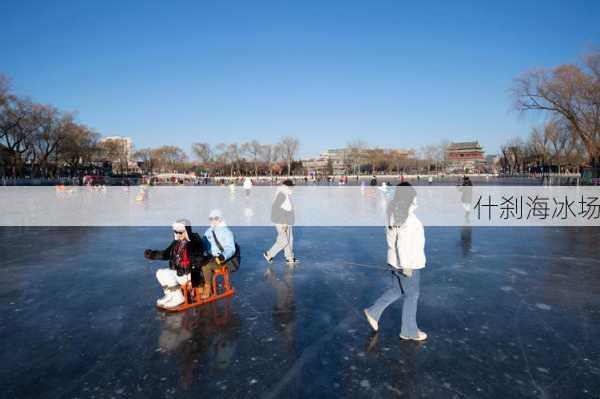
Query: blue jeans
[(410, 286)]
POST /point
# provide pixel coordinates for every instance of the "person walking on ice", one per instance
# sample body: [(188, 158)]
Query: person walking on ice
[(247, 186), (406, 255), (282, 214), (467, 194)]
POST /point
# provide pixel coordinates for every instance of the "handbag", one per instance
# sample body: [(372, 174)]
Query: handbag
[(235, 260)]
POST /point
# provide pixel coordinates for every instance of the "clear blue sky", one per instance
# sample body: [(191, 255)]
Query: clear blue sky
[(393, 74)]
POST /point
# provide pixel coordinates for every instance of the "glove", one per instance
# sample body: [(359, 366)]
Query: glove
[(148, 253), (407, 272), (220, 259)]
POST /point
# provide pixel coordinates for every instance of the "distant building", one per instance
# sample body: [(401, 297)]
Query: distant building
[(126, 142), (330, 161), (336, 160), (466, 156), (315, 166)]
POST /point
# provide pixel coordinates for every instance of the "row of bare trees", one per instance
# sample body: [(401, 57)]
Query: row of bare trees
[(40, 140), (551, 147), (360, 157), (249, 158), (39, 137), (569, 96), (162, 159)]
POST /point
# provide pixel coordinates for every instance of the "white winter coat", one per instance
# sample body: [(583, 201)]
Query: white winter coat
[(406, 244)]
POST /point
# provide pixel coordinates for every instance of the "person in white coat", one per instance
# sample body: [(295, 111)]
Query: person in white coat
[(247, 186), (406, 256)]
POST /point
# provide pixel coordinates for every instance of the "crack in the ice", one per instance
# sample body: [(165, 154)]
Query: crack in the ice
[(524, 354)]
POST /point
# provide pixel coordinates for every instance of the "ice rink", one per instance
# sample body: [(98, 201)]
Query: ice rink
[(510, 312)]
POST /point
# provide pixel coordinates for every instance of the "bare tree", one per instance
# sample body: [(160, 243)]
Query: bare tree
[(429, 153), (116, 151), (289, 148), (148, 157), (561, 142), (4, 89), (269, 154), (170, 158), (202, 152), (514, 153), (356, 154), (378, 159), (399, 159), (253, 150), (227, 155), (220, 157), (53, 129), (537, 145), (233, 156), (80, 146), (18, 123), (442, 153), (568, 92)]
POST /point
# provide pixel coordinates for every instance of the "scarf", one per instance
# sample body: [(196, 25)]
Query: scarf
[(287, 203), (180, 255)]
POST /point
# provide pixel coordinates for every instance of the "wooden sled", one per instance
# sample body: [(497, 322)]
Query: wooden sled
[(192, 296)]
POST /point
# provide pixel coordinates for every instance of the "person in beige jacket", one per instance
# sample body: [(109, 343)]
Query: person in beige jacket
[(406, 255)]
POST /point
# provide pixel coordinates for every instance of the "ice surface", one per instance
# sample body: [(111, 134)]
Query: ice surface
[(348, 206), (509, 313)]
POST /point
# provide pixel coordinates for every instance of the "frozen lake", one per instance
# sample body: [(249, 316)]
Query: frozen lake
[(510, 312)]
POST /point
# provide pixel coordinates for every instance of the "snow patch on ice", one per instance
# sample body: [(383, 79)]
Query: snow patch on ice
[(518, 271), (543, 370)]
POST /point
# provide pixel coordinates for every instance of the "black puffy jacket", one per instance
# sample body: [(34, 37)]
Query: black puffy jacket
[(195, 253)]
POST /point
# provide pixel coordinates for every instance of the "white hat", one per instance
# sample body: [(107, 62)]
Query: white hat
[(215, 213), (182, 224)]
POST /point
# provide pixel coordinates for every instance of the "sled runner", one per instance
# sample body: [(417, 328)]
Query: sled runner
[(192, 295)]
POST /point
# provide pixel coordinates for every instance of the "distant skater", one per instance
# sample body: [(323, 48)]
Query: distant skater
[(467, 193), (282, 214), (406, 256), (247, 186)]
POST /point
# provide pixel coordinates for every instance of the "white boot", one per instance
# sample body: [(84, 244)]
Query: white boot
[(165, 298), (175, 299), (421, 336)]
